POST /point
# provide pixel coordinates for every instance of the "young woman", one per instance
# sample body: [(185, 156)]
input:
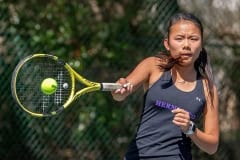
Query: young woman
[(179, 90)]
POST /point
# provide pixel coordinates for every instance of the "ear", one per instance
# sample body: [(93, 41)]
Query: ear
[(166, 45)]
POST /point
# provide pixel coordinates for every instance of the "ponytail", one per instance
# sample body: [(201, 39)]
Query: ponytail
[(204, 69)]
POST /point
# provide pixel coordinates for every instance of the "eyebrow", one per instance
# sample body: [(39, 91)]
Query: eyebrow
[(191, 35)]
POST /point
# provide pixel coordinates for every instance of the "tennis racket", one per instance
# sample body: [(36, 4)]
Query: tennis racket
[(44, 85)]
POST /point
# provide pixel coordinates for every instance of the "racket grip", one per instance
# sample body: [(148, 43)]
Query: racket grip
[(110, 86)]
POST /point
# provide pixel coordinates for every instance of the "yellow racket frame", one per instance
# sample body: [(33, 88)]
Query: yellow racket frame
[(90, 86)]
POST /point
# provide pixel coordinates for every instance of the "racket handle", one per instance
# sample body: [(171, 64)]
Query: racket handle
[(110, 86)]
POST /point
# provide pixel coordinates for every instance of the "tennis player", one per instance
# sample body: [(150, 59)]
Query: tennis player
[(179, 92)]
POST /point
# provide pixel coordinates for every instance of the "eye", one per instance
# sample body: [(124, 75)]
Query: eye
[(194, 38), (178, 38)]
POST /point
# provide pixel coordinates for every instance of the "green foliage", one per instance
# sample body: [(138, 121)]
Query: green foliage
[(97, 38), (102, 39)]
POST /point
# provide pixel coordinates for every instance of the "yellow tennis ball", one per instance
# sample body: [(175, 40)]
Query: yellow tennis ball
[(49, 86)]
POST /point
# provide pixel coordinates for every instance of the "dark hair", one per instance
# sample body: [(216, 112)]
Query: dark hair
[(184, 16), (202, 64)]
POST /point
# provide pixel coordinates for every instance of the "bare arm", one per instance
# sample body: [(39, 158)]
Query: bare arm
[(208, 139), (138, 77)]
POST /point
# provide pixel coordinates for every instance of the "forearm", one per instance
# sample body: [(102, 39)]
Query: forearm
[(138, 77), (206, 142)]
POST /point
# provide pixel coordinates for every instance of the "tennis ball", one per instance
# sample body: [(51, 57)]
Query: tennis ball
[(49, 86)]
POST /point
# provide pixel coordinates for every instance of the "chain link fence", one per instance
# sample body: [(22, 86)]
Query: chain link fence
[(95, 127)]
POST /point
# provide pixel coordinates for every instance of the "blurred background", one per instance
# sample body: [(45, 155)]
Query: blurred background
[(104, 40)]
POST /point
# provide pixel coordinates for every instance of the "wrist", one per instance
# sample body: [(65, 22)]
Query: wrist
[(191, 129)]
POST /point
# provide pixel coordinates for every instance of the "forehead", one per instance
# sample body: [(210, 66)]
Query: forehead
[(185, 26)]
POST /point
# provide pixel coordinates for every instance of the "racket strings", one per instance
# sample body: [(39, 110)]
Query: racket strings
[(45, 104), (29, 79), (61, 95)]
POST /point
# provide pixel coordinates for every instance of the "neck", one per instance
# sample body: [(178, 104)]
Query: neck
[(183, 74)]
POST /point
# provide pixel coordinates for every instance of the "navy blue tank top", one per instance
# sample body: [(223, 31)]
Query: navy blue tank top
[(156, 134)]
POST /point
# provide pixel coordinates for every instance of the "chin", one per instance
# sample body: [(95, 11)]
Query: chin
[(185, 63)]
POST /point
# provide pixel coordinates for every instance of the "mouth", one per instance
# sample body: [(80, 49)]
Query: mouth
[(185, 55)]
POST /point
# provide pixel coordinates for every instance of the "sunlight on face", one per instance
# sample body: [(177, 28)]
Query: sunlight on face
[(184, 42)]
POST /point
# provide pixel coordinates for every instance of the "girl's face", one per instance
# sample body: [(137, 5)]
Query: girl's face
[(184, 42)]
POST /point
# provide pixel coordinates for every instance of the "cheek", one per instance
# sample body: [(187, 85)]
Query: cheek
[(197, 50), (174, 48), (196, 55)]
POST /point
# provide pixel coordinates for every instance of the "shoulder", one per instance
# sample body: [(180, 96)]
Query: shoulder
[(151, 64), (149, 60)]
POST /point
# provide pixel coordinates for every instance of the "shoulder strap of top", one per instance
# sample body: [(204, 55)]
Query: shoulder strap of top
[(166, 76)]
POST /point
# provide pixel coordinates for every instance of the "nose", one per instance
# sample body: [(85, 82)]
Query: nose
[(186, 44)]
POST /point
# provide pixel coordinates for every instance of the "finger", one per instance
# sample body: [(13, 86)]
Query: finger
[(182, 115), (117, 91), (180, 124), (183, 121), (123, 90), (183, 126), (122, 81), (128, 86), (178, 110)]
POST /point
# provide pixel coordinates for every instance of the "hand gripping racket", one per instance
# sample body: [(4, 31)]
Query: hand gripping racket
[(43, 85)]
